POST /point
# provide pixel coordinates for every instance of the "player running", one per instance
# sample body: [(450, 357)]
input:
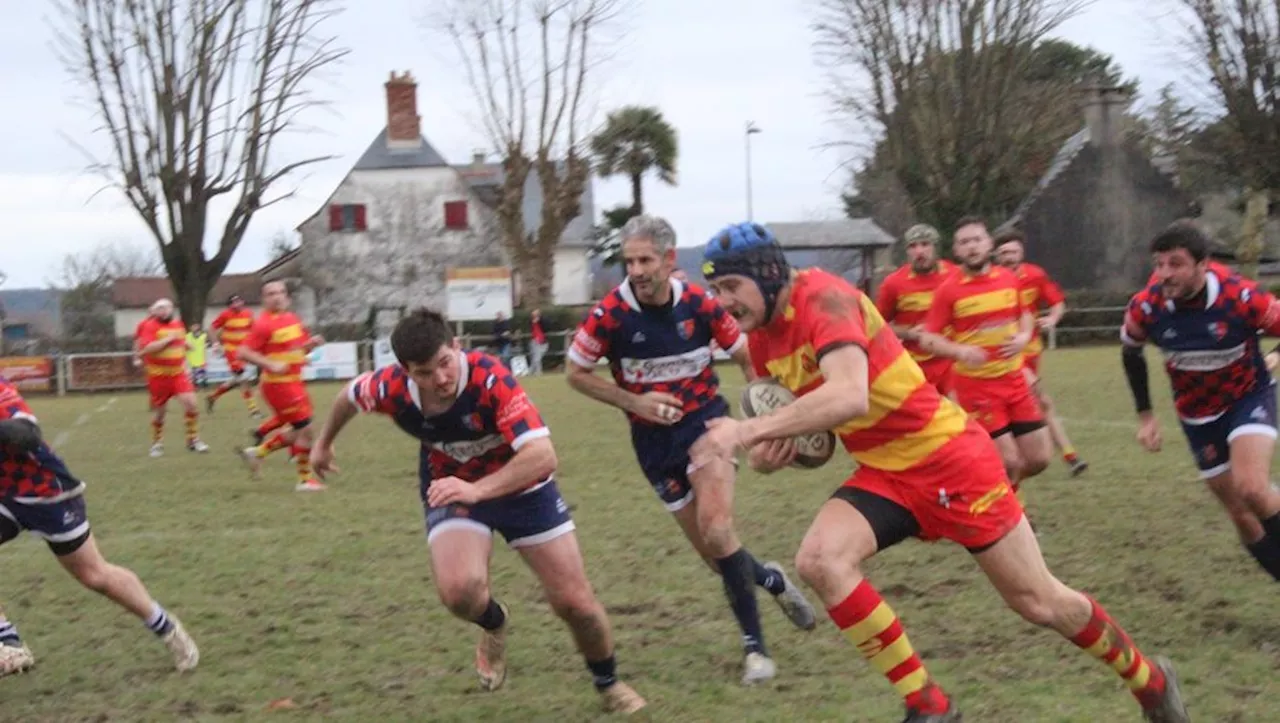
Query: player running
[(656, 332), (278, 344), (924, 470), (231, 328), (161, 343), (1038, 289), (485, 466), (906, 295), (39, 494), (1207, 321), (979, 309)]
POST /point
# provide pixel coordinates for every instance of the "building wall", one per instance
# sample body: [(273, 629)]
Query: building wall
[(127, 320), (572, 283), (400, 260), (1091, 227)]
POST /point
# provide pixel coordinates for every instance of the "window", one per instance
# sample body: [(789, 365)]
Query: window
[(347, 217), (455, 215)]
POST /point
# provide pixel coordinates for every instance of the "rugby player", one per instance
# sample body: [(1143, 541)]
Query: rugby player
[(231, 328), (980, 311), (924, 470), (39, 494), (656, 332), (485, 465), (906, 295), (1207, 321), (1039, 289), (161, 343), (278, 344)]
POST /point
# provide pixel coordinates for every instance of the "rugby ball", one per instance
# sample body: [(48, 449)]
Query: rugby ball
[(763, 396)]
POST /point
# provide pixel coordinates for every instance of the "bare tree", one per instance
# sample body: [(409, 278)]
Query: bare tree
[(530, 64), (1237, 46), (194, 96), (953, 93), (84, 281)]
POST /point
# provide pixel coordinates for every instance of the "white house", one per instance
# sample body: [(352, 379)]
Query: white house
[(403, 215)]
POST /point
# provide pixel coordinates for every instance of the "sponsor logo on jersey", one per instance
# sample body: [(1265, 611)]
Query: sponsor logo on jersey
[(666, 368), (1204, 361)]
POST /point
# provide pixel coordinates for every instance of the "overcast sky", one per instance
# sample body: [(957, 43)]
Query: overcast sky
[(709, 65)]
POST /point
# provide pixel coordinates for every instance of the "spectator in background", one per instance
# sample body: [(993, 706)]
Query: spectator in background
[(502, 337), (538, 342), (197, 344)]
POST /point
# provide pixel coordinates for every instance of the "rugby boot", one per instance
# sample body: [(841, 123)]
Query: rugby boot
[(951, 716), (491, 654), (621, 698), (792, 601), (15, 659), (758, 668), (1169, 707), (185, 653)]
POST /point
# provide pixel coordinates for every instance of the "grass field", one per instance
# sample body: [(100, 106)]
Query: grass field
[(326, 599)]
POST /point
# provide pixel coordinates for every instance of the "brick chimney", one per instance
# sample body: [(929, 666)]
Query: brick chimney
[(404, 125), (1104, 107)]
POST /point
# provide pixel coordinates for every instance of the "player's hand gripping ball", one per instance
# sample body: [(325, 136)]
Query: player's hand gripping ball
[(763, 396)]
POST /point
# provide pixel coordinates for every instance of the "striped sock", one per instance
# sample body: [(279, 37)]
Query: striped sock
[(871, 625), (249, 400), (159, 622), (1105, 640), (193, 426), (223, 388), (274, 443), (9, 633), (267, 427), (1069, 454), (302, 457), (157, 431)]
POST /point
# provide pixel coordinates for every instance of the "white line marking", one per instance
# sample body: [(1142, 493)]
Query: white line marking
[(61, 438), (65, 435), (80, 420)]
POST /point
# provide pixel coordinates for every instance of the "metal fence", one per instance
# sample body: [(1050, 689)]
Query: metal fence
[(1085, 332)]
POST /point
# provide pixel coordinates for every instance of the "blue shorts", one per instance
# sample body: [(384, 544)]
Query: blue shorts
[(663, 452), (1211, 442), (530, 518), (63, 525)]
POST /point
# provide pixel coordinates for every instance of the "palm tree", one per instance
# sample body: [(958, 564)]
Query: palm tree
[(635, 140)]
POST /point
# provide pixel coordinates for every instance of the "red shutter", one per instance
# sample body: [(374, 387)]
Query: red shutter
[(455, 214), (361, 225), (335, 217)]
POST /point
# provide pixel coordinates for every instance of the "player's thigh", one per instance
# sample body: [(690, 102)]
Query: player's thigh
[(460, 551), (712, 486), (559, 567), (867, 514), (687, 519), (1251, 441)]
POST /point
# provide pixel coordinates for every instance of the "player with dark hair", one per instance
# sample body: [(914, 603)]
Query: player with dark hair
[(278, 344), (1207, 321), (906, 295), (485, 466), (1038, 289), (924, 470), (39, 494), (657, 332), (979, 310), (231, 328)]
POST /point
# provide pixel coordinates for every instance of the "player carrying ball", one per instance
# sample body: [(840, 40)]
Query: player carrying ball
[(657, 332), (1206, 320), (924, 470), (485, 466)]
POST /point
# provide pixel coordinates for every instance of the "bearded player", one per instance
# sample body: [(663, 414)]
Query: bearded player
[(656, 332), (39, 494), (278, 345), (1207, 321), (924, 470), (1037, 290), (486, 465), (979, 309), (907, 294), (231, 328), (160, 342)]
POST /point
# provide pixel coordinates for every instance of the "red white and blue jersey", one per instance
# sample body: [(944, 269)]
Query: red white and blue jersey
[(652, 349), (489, 422), (1210, 344), (38, 477)]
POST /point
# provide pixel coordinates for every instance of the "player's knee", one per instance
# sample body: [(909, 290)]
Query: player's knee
[(717, 534), (823, 567), (1034, 463), (94, 576), (464, 596), (575, 606), (1038, 607)]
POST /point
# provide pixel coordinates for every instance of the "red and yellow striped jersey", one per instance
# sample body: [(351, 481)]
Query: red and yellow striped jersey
[(907, 418), (1036, 288), (235, 325), (172, 359), (905, 297), (981, 310), (280, 337)]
